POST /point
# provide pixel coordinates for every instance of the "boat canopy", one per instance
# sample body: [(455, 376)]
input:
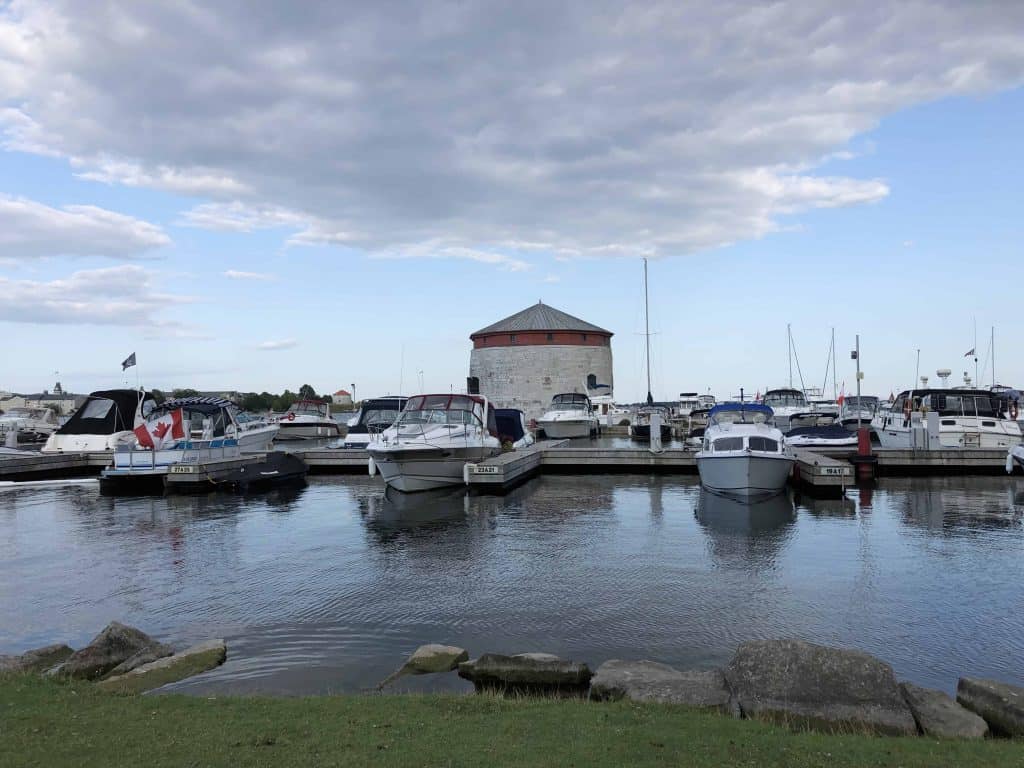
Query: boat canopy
[(744, 413), (377, 414), (108, 411), (950, 402), (316, 407), (784, 398), (208, 406), (510, 424)]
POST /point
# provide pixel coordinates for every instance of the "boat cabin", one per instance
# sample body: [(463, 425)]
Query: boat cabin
[(311, 408), (377, 414), (949, 402), (433, 410), (205, 418), (571, 401), (726, 415), (784, 398), (107, 412), (739, 413)]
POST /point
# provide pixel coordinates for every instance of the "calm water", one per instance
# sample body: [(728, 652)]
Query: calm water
[(328, 588)]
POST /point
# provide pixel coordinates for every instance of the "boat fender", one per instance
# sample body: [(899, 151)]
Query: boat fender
[(1014, 410), (371, 465)]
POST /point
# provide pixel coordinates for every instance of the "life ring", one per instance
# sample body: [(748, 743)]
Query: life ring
[(290, 417), (1014, 410)]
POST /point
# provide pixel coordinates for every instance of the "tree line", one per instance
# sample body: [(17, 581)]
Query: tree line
[(255, 401)]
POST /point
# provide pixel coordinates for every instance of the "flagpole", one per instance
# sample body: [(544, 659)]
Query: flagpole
[(977, 382)]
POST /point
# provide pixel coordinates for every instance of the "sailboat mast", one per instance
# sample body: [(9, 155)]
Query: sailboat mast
[(835, 388), (993, 355), (789, 349), (647, 336)]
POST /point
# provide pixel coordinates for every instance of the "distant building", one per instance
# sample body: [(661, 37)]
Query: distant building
[(527, 358), (342, 398), (59, 400), (10, 400)]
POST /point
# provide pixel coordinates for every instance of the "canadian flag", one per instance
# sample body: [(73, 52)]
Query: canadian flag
[(159, 432)]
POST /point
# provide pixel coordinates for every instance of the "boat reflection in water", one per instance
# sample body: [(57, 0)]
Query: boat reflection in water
[(743, 532)]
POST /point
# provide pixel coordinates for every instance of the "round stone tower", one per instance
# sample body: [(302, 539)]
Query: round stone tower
[(528, 358)]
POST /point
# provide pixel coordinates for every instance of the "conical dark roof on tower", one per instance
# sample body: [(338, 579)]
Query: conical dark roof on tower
[(540, 317)]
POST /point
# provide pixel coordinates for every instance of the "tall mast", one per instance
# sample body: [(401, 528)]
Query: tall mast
[(993, 355), (647, 336), (835, 388), (789, 348)]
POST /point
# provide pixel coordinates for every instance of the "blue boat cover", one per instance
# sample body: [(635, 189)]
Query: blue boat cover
[(510, 423), (736, 407)]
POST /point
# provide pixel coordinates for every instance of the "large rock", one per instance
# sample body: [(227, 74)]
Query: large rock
[(526, 673), (115, 644), (170, 669), (937, 715), (145, 656), (812, 686), (36, 660), (1000, 704), (428, 659), (651, 681)]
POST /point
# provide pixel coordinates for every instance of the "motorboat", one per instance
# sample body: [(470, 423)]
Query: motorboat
[(31, 425), (186, 430), (698, 423), (640, 428), (433, 439), (742, 454), (819, 430), (570, 415), (375, 415), (512, 429), (105, 421), (858, 411), (967, 418), (308, 420), (784, 403)]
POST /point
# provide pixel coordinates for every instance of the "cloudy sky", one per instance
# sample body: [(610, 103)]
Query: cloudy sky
[(253, 196)]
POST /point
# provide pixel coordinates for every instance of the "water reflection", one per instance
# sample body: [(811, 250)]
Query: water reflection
[(841, 507), (957, 506), (743, 533)]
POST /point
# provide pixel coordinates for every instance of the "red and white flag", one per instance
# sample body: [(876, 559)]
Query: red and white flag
[(842, 394), (160, 432)]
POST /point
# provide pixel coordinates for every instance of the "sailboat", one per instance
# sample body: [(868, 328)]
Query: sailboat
[(640, 429)]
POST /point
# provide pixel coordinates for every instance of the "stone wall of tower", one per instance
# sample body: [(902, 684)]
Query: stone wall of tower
[(527, 377)]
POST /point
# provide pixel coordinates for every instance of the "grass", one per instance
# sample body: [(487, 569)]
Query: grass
[(48, 723)]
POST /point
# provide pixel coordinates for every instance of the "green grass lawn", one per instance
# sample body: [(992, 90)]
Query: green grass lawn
[(46, 723)]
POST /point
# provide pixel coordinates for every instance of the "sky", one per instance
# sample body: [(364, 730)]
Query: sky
[(251, 198)]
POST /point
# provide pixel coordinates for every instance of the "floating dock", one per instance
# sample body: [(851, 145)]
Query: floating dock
[(820, 472)]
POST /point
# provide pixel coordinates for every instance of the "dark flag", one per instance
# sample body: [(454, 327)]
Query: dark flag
[(129, 362)]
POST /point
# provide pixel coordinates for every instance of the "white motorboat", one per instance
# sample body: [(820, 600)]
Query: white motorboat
[(1015, 458), (742, 455), (967, 418), (571, 415), (375, 415), (640, 428), (853, 415), (105, 421), (785, 402), (433, 439), (308, 420), (31, 425), (182, 430)]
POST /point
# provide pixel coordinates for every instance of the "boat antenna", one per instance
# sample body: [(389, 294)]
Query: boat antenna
[(647, 336)]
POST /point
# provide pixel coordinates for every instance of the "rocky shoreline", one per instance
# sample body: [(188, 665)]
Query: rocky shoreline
[(797, 684)]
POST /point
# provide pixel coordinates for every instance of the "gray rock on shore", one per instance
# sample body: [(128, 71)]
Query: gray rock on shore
[(36, 660), (1000, 704), (145, 656), (938, 716), (804, 685), (169, 669), (526, 673), (654, 682), (114, 645), (429, 659)]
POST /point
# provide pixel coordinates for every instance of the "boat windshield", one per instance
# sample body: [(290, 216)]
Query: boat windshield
[(441, 409), (741, 416), (379, 416), (785, 398), (569, 402), (309, 408)]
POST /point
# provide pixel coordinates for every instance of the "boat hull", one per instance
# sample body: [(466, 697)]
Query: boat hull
[(422, 469), (1005, 435), (643, 431), (567, 429), (746, 475)]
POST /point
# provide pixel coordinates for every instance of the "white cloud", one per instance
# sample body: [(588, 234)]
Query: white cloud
[(124, 295), (29, 229), (274, 345), (589, 129), (234, 274)]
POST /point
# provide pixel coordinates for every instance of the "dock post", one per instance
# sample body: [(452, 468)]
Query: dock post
[(865, 459)]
